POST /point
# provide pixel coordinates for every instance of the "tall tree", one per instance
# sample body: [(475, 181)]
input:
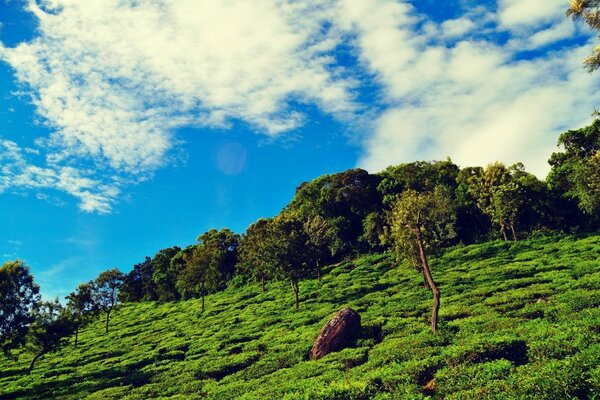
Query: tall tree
[(199, 272), (138, 284), (222, 245), (164, 274), (419, 223), (106, 291), (50, 330), (319, 241), (255, 256), (499, 195), (291, 253), (575, 169), (19, 296), (81, 306), (344, 200)]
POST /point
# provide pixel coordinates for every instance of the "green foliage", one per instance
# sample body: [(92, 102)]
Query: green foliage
[(255, 256), (343, 200), (50, 329), (518, 321), (165, 274), (19, 296), (430, 215), (575, 170), (105, 291)]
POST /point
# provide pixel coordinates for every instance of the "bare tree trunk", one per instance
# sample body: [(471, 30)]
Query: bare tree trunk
[(512, 228), (37, 356), (432, 285), (503, 230), (425, 283), (202, 293), (76, 334), (318, 271), (262, 282), (107, 318), (296, 290)]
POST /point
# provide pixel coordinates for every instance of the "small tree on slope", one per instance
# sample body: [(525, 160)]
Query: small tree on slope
[(422, 221)]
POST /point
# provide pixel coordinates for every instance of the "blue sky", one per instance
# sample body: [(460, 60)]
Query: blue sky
[(127, 126)]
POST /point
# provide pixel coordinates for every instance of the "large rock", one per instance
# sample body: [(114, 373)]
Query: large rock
[(337, 334)]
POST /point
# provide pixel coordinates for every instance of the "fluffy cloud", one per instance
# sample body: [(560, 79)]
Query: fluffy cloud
[(114, 79), (475, 99)]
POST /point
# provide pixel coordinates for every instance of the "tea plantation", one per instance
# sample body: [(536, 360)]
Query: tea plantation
[(518, 321)]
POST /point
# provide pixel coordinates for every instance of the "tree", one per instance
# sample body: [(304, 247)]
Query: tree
[(290, 251), (255, 256), (165, 273), (589, 11), (499, 195), (199, 271), (575, 169), (19, 296), (138, 284), (106, 291), (319, 241), (343, 200), (81, 306), (419, 224), (222, 246), (49, 331)]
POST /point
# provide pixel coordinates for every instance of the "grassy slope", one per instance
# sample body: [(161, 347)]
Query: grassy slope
[(518, 321)]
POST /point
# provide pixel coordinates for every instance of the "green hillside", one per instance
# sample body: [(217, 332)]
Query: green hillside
[(518, 320)]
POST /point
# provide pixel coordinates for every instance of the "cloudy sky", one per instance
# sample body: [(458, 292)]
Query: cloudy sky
[(127, 126)]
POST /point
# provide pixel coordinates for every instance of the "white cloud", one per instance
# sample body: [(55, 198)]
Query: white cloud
[(473, 99), (114, 79), (515, 13), (15, 171), (457, 27)]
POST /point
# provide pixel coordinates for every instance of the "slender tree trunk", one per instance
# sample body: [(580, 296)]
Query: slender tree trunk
[(318, 271), (202, 292), (432, 285), (512, 229), (107, 318), (295, 288), (503, 230), (37, 356), (262, 282), (425, 283), (76, 334)]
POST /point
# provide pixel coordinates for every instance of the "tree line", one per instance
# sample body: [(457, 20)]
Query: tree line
[(413, 209)]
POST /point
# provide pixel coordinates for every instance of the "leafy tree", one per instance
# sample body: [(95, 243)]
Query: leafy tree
[(344, 200), (499, 195), (209, 265), (51, 328), (165, 273), (138, 284), (319, 241), (106, 291), (575, 170), (81, 306), (374, 231), (222, 246), (199, 271), (419, 224), (19, 296), (256, 258), (289, 246), (421, 176), (589, 11)]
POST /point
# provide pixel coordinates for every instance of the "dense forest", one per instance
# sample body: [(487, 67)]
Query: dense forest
[(414, 210)]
